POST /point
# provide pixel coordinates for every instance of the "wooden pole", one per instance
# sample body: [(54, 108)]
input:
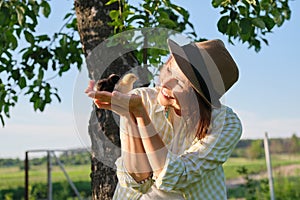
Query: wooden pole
[(269, 166), (26, 168), (49, 166)]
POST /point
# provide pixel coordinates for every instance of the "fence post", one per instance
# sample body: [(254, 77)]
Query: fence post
[(269, 166), (26, 168), (49, 166)]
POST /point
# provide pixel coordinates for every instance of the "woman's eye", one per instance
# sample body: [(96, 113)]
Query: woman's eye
[(169, 70), (180, 84)]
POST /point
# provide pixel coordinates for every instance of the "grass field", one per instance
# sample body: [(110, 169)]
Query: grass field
[(12, 177), (257, 165)]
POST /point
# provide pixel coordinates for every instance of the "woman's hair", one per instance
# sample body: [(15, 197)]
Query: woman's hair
[(205, 110)]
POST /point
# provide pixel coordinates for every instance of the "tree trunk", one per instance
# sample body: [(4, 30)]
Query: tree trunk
[(93, 28)]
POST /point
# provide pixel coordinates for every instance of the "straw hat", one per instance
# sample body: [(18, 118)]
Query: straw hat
[(208, 65)]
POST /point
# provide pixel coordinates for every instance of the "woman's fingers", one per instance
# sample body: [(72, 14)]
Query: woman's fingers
[(118, 102), (115, 108), (102, 105), (103, 96), (90, 86)]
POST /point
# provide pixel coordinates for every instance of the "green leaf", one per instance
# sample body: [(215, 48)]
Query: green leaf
[(245, 25), (168, 23), (111, 2), (223, 24), (148, 8), (22, 82), (277, 16), (33, 17), (12, 40), (4, 16), (68, 15), (243, 11), (18, 32), (41, 74), (185, 14), (34, 97), (234, 1), (258, 22), (15, 98), (233, 29), (29, 37), (41, 38), (265, 5), (46, 8), (47, 94), (54, 65), (63, 69), (217, 3), (269, 22), (233, 15), (136, 17), (29, 73), (245, 37), (265, 41), (15, 74), (36, 104), (163, 14), (6, 110), (114, 14)]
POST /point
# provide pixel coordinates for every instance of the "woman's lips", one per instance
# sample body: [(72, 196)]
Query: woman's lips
[(165, 94)]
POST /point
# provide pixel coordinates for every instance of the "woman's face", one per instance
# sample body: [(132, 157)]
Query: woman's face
[(175, 90)]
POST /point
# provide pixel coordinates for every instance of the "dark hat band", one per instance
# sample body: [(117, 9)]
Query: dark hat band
[(195, 57)]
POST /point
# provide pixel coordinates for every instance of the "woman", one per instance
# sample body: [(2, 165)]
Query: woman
[(176, 137)]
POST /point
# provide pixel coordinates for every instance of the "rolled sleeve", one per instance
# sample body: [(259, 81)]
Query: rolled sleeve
[(127, 181), (171, 173)]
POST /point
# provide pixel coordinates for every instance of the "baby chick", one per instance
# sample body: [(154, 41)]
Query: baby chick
[(110, 84), (126, 83), (107, 84)]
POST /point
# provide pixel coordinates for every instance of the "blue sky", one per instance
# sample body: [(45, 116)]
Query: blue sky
[(266, 96)]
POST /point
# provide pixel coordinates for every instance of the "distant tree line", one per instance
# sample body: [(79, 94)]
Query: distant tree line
[(253, 149), (246, 148), (7, 162), (70, 157)]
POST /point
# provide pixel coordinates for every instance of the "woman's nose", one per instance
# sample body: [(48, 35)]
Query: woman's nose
[(169, 82)]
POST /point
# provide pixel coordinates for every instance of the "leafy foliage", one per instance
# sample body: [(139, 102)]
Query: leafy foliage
[(252, 189), (250, 20), (256, 150), (26, 71), (151, 14)]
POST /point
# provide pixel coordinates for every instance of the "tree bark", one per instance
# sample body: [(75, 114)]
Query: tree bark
[(93, 28)]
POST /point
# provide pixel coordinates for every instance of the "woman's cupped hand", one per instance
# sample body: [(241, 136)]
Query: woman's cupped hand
[(121, 104)]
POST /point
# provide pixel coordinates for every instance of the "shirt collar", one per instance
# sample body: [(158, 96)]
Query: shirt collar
[(159, 108)]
